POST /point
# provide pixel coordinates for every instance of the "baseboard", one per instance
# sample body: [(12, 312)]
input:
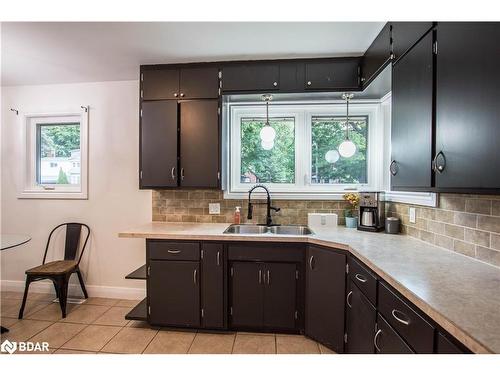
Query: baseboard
[(75, 290)]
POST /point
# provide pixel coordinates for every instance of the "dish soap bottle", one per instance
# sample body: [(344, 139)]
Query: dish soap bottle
[(237, 215)]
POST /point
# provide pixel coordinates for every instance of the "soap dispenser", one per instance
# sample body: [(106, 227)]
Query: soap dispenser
[(237, 215)]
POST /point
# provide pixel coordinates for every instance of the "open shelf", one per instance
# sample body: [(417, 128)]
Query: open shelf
[(138, 274), (140, 312)]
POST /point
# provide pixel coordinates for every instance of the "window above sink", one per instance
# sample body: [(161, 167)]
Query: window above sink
[(303, 161)]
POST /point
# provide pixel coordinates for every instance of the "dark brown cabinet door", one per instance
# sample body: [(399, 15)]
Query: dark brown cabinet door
[(412, 114), (251, 77), (467, 110), (158, 144), (377, 56), (199, 83), (338, 74), (280, 295), (325, 297), (199, 143), (406, 34), (387, 341), (446, 346), (160, 84), (247, 293), (174, 293), (361, 319), (213, 288)]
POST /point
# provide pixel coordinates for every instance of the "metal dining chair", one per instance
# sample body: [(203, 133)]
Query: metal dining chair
[(60, 271)]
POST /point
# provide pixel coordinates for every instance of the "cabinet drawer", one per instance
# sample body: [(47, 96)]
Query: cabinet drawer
[(407, 322), (387, 340), (167, 250), (364, 279)]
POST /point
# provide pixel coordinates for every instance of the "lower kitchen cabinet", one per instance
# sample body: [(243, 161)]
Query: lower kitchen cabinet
[(263, 295), (387, 341), (213, 285), (174, 293), (361, 318), (325, 296)]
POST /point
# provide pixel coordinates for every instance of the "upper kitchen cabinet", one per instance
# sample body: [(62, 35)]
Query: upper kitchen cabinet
[(377, 56), (407, 34), (332, 74), (467, 112), (190, 82), (251, 76), (199, 143), (158, 144), (159, 84), (412, 118)]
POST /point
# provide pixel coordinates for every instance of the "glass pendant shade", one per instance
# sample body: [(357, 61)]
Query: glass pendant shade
[(332, 156), (267, 145), (347, 149), (267, 133)]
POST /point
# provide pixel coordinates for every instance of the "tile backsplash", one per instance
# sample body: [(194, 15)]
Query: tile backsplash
[(192, 206), (468, 224)]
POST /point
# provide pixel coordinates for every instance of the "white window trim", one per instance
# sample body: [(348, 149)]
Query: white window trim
[(303, 112), (28, 188)]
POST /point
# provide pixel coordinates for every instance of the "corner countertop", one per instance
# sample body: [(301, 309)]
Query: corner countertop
[(458, 292)]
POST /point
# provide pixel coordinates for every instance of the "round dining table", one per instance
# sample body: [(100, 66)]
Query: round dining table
[(9, 241)]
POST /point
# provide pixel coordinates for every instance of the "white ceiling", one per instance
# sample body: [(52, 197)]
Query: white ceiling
[(45, 53)]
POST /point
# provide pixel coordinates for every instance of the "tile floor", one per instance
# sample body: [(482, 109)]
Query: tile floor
[(98, 326)]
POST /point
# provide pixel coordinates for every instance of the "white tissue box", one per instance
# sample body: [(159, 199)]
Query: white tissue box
[(322, 221)]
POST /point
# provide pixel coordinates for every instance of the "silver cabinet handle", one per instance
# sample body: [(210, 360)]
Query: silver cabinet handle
[(393, 167), (375, 343), (361, 278), (309, 83), (311, 262), (172, 173), (182, 174), (182, 94), (174, 251), (275, 83), (401, 320), (438, 168), (260, 276), (347, 299), (195, 272), (176, 95), (218, 258), (268, 277)]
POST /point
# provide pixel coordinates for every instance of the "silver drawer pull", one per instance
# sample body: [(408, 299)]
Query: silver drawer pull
[(218, 258), (361, 278), (311, 262), (401, 320), (174, 251), (347, 299), (194, 276), (172, 173), (375, 343)]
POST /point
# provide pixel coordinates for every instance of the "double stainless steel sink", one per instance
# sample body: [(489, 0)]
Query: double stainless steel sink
[(297, 230)]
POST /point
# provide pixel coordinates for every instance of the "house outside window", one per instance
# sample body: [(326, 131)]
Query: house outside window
[(56, 148)]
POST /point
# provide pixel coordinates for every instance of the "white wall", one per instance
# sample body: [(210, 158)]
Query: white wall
[(115, 201)]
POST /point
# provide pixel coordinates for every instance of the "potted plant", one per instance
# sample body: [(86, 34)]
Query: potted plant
[(352, 199)]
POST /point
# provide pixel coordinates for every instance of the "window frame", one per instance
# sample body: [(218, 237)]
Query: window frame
[(29, 187), (303, 112)]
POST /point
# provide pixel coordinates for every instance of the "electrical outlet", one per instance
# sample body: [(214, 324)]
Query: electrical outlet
[(413, 215), (214, 208)]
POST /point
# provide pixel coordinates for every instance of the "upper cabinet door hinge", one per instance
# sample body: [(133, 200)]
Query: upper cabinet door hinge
[(347, 268), (435, 47)]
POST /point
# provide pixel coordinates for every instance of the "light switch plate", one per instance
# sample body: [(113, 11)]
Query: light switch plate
[(214, 208), (413, 215)]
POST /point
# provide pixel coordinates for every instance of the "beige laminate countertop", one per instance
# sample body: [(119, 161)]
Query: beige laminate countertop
[(461, 294)]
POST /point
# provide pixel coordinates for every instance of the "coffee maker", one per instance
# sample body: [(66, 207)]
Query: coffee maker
[(371, 211)]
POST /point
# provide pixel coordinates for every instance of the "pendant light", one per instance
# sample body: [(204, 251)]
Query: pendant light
[(332, 156), (347, 148), (267, 133)]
